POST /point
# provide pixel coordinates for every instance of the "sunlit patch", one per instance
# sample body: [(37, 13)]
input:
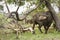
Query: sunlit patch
[(42, 17), (28, 29)]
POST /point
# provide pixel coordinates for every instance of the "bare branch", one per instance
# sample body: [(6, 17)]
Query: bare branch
[(25, 15), (7, 7)]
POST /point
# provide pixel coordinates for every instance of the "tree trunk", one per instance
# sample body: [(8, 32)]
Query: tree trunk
[(53, 13)]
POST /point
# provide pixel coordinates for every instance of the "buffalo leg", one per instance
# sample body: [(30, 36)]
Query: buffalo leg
[(33, 28), (46, 29), (40, 28)]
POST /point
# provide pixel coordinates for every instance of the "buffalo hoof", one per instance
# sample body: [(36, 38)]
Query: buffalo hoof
[(33, 32), (45, 32), (41, 32)]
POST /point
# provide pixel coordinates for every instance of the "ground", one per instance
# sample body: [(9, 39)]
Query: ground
[(51, 35)]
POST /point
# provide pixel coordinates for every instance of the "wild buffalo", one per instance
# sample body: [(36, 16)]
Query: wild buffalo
[(42, 19)]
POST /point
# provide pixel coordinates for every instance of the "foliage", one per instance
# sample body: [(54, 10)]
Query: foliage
[(9, 1), (0, 0), (59, 2), (3, 20), (17, 2), (1, 7)]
